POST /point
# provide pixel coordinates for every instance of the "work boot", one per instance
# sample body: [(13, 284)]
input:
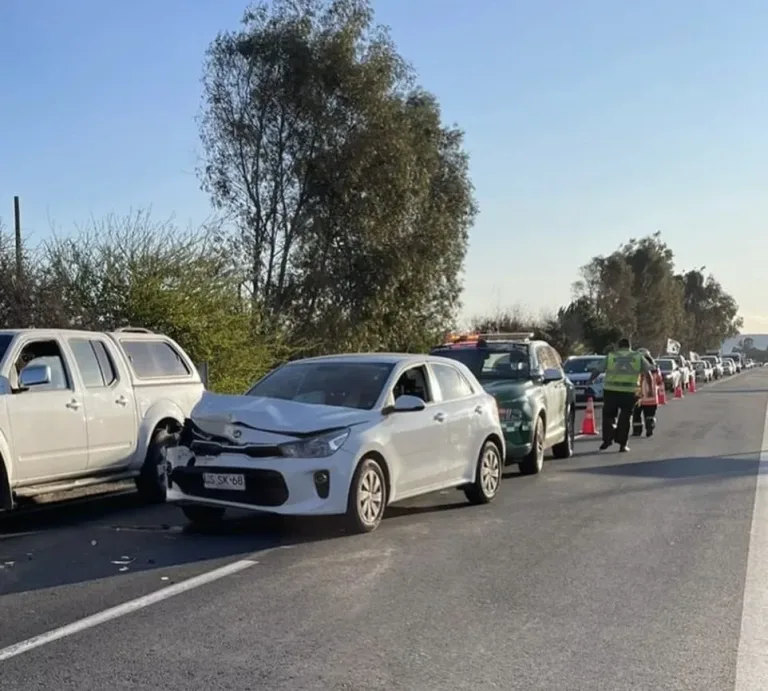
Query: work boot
[(624, 448), (605, 445), (649, 432)]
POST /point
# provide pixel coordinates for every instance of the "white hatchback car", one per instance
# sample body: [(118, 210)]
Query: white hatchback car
[(342, 434)]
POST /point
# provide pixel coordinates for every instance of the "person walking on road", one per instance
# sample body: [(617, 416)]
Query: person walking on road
[(623, 372), (645, 410)]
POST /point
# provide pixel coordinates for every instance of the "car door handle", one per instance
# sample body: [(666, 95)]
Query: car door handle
[(122, 400), (73, 404), (440, 417)]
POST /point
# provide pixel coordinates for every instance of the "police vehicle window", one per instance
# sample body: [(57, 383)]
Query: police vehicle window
[(452, 384), (545, 358), (510, 360), (87, 363), (555, 356)]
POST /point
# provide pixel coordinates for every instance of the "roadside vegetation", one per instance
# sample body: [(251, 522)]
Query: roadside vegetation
[(344, 208)]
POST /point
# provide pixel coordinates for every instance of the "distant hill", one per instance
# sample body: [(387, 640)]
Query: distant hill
[(758, 342)]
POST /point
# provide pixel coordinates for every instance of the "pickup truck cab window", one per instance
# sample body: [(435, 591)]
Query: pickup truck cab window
[(96, 367), (44, 352), (154, 358)]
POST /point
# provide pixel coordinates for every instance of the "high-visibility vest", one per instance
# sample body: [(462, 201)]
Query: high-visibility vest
[(622, 371)]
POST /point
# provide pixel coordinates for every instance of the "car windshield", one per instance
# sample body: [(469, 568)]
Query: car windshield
[(342, 384), (666, 365), (508, 361), (583, 365)]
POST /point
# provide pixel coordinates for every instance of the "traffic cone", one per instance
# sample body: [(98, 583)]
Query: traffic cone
[(692, 385), (679, 390), (661, 395), (588, 426)]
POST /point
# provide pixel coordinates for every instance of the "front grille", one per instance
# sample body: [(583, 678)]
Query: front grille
[(213, 448), (262, 487)]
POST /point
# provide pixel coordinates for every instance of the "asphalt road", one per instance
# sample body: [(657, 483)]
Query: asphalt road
[(607, 571)]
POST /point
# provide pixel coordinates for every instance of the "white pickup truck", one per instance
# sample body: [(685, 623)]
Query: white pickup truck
[(80, 408)]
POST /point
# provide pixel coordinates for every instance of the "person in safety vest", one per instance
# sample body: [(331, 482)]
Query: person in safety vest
[(646, 407), (624, 368)]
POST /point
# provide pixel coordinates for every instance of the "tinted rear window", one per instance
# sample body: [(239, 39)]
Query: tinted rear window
[(154, 359)]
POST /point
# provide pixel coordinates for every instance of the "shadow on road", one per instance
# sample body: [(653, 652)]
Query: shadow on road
[(732, 391), (680, 468), (113, 537)]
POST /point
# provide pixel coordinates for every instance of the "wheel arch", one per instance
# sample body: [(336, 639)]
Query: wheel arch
[(379, 458), (6, 495)]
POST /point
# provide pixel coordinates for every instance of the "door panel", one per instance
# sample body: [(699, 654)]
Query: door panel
[(47, 422), (418, 437), (110, 408), (462, 422)]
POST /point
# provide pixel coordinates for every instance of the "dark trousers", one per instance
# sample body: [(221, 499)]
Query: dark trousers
[(647, 414), (621, 405)]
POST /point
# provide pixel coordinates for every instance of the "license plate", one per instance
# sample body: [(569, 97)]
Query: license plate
[(225, 481)]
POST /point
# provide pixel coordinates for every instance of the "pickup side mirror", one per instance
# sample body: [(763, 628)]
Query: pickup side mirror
[(34, 375), (405, 404), (552, 374)]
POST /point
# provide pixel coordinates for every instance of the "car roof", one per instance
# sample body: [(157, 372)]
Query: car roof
[(387, 358)]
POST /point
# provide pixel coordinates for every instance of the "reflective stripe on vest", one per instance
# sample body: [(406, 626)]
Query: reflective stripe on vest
[(622, 371)]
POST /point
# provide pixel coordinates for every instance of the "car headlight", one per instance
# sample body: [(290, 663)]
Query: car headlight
[(317, 447)]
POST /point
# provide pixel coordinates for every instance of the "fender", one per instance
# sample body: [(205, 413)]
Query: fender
[(159, 410)]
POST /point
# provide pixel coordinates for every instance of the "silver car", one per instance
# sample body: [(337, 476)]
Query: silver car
[(342, 434)]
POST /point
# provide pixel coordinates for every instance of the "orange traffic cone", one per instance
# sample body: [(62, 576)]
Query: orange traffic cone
[(692, 385), (661, 396), (588, 426), (679, 390)]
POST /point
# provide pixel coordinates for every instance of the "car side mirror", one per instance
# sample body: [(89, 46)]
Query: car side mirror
[(537, 375), (552, 374), (34, 375), (406, 404)]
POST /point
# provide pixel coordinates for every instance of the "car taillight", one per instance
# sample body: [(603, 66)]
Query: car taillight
[(495, 410)]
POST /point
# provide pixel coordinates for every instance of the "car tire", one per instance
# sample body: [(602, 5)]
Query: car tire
[(533, 463), (490, 467), (565, 448), (152, 483), (203, 516), (367, 498)]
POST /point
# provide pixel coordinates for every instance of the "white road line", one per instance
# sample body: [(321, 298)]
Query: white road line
[(752, 659), (125, 608)]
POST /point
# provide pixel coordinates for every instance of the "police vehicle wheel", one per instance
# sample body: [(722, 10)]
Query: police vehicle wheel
[(565, 448), (534, 461)]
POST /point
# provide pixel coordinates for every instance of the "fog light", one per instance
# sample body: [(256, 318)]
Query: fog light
[(322, 484)]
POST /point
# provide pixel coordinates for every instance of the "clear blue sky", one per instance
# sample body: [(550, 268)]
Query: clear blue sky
[(588, 122)]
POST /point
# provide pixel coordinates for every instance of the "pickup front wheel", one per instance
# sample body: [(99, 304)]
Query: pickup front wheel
[(151, 482)]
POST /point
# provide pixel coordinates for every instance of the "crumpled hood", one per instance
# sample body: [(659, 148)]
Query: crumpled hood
[(216, 414), (506, 388)]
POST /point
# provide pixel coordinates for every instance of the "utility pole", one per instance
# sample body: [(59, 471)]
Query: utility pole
[(19, 267), (17, 225)]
